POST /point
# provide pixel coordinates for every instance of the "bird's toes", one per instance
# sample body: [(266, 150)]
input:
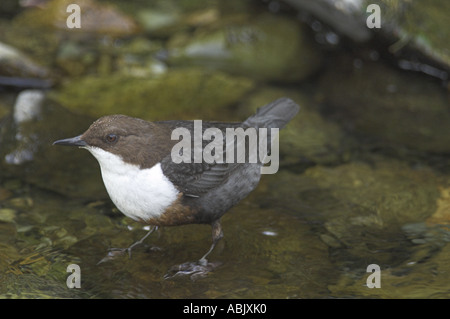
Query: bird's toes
[(196, 270)]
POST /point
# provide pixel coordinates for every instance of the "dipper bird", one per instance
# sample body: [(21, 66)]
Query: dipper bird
[(148, 183)]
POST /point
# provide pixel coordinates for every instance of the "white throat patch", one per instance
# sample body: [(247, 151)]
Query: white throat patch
[(137, 193)]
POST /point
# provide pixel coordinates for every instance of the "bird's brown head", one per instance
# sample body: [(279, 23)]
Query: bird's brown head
[(136, 141)]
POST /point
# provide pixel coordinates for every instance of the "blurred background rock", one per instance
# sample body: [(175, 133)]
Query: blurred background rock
[(364, 166)]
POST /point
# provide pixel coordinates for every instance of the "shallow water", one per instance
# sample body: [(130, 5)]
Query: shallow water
[(351, 191), (271, 249)]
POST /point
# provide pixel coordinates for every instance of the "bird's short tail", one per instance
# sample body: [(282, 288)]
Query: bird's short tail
[(274, 115)]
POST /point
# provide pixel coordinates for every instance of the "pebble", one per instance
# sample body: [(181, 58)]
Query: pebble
[(21, 202), (7, 215)]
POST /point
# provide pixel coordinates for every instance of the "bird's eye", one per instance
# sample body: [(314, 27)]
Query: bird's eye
[(111, 138)]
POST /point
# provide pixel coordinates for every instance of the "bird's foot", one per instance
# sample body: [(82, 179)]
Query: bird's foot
[(113, 253), (194, 269)]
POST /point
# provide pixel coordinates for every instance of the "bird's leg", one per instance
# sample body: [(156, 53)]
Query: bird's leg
[(201, 267), (114, 252), (140, 241), (217, 235)]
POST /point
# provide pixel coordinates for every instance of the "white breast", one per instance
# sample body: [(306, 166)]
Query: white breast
[(138, 193)]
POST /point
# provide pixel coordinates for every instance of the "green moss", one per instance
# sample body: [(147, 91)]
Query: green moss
[(178, 94), (391, 190)]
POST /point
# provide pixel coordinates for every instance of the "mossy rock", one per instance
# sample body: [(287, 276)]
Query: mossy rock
[(177, 94), (393, 191), (263, 47), (358, 208), (96, 17), (387, 193), (411, 279)]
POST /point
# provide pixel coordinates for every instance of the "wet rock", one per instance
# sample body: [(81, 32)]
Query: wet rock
[(140, 46), (47, 166), (419, 35), (432, 233), (410, 30), (7, 215), (15, 64), (76, 58), (38, 45), (389, 193), (27, 108), (361, 207), (393, 106), (39, 274), (21, 202), (133, 66), (136, 58), (423, 279), (44, 34), (178, 94), (166, 18), (96, 17), (161, 19), (346, 17), (202, 17), (263, 47)]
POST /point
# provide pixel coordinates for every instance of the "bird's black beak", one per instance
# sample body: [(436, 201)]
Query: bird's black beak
[(73, 141)]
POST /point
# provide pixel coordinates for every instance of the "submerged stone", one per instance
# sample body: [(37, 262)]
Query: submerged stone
[(387, 193), (411, 279), (263, 47), (360, 208)]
